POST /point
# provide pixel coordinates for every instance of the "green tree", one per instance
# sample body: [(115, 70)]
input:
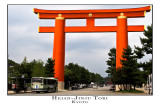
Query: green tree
[(72, 73), (21, 69), (84, 75), (38, 70), (147, 41), (68, 77), (118, 77), (146, 48), (25, 68), (99, 78), (79, 74), (92, 77), (142, 51), (12, 68), (50, 67), (111, 62), (130, 70)]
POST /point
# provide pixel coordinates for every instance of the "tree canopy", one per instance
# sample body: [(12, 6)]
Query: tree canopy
[(49, 72), (34, 68), (130, 72), (75, 73)]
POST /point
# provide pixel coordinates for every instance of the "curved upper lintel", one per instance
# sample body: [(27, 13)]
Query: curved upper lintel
[(147, 9)]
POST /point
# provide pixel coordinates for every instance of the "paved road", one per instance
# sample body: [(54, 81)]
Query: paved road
[(81, 92)]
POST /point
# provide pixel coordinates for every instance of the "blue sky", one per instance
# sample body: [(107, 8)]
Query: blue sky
[(87, 49)]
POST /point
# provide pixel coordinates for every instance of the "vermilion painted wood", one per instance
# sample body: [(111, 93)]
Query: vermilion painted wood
[(136, 28), (59, 49), (121, 39), (90, 22), (94, 15), (147, 8)]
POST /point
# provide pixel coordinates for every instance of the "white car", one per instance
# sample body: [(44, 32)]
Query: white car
[(95, 86)]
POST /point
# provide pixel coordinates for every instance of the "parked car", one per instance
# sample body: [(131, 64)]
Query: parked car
[(112, 87), (95, 86), (80, 86), (90, 86), (101, 85), (84, 86), (74, 87)]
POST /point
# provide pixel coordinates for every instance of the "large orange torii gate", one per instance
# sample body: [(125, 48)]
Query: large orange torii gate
[(59, 30)]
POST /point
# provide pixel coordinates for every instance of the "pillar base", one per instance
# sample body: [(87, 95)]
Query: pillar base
[(60, 85), (117, 88), (122, 87)]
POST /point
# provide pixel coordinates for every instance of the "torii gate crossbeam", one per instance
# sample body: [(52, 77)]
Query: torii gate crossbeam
[(59, 30)]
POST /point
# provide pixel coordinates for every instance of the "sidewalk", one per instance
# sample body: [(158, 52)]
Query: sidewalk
[(22, 92), (142, 89), (12, 92)]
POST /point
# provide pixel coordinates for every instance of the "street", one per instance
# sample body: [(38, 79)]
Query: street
[(81, 92)]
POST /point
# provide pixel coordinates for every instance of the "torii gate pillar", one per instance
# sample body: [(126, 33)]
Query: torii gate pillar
[(122, 38), (59, 50)]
